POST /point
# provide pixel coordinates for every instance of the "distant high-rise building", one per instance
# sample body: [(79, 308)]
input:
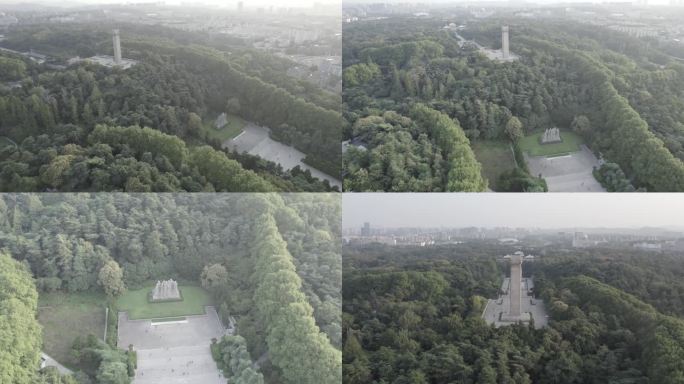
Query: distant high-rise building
[(117, 47), (240, 5), (504, 42), (365, 230)]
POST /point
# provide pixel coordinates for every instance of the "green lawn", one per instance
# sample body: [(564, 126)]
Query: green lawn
[(137, 306), (496, 157), (570, 143), (235, 125), (65, 316)]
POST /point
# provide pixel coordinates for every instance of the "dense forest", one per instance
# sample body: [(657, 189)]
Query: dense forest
[(413, 315), (49, 114), (621, 94), (271, 261)]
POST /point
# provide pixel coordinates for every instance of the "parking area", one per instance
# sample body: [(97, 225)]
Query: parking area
[(175, 352), (567, 173)]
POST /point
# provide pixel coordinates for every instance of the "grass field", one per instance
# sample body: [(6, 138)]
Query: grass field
[(496, 158), (570, 143), (233, 128), (65, 316), (137, 306)]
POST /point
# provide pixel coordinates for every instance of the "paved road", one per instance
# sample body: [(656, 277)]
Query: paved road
[(255, 140)]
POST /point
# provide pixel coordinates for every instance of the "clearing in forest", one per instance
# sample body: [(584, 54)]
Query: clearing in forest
[(496, 158), (65, 316), (137, 305), (234, 126), (532, 146)]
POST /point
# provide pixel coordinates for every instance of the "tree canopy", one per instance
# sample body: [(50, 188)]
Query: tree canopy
[(621, 94), (415, 316), (20, 333), (76, 127), (270, 261)]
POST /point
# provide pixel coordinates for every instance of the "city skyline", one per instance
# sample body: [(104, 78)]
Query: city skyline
[(562, 210)]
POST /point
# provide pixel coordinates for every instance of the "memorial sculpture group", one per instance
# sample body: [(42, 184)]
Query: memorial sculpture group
[(551, 135), (166, 290)]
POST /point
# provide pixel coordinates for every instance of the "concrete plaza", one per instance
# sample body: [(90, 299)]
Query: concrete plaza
[(567, 173), (528, 304), (255, 140), (175, 352)]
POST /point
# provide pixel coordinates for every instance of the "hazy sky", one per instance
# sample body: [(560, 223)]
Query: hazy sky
[(228, 3), (512, 2), (543, 210)]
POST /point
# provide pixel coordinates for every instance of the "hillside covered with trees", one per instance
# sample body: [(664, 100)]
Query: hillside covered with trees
[(622, 95), (413, 315), (49, 114), (271, 261)]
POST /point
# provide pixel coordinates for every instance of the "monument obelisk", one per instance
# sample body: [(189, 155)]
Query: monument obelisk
[(515, 283), (117, 47), (505, 53)]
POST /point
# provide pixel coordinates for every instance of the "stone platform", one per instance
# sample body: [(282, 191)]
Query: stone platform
[(531, 309), (174, 352)]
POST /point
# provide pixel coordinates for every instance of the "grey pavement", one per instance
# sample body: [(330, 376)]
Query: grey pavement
[(535, 307), (567, 173), (175, 352), (177, 365), (255, 140), (50, 362)]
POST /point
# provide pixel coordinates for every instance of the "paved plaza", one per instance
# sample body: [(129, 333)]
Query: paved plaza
[(175, 352), (177, 365), (255, 140), (528, 303), (567, 173)]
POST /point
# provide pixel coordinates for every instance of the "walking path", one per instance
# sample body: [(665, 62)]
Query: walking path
[(50, 362)]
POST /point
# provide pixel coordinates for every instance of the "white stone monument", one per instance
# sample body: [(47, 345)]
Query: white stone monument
[(505, 53), (514, 291), (551, 135), (166, 290)]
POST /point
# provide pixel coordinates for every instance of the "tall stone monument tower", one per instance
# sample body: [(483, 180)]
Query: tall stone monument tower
[(504, 42), (516, 303), (514, 312), (515, 285), (117, 47)]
